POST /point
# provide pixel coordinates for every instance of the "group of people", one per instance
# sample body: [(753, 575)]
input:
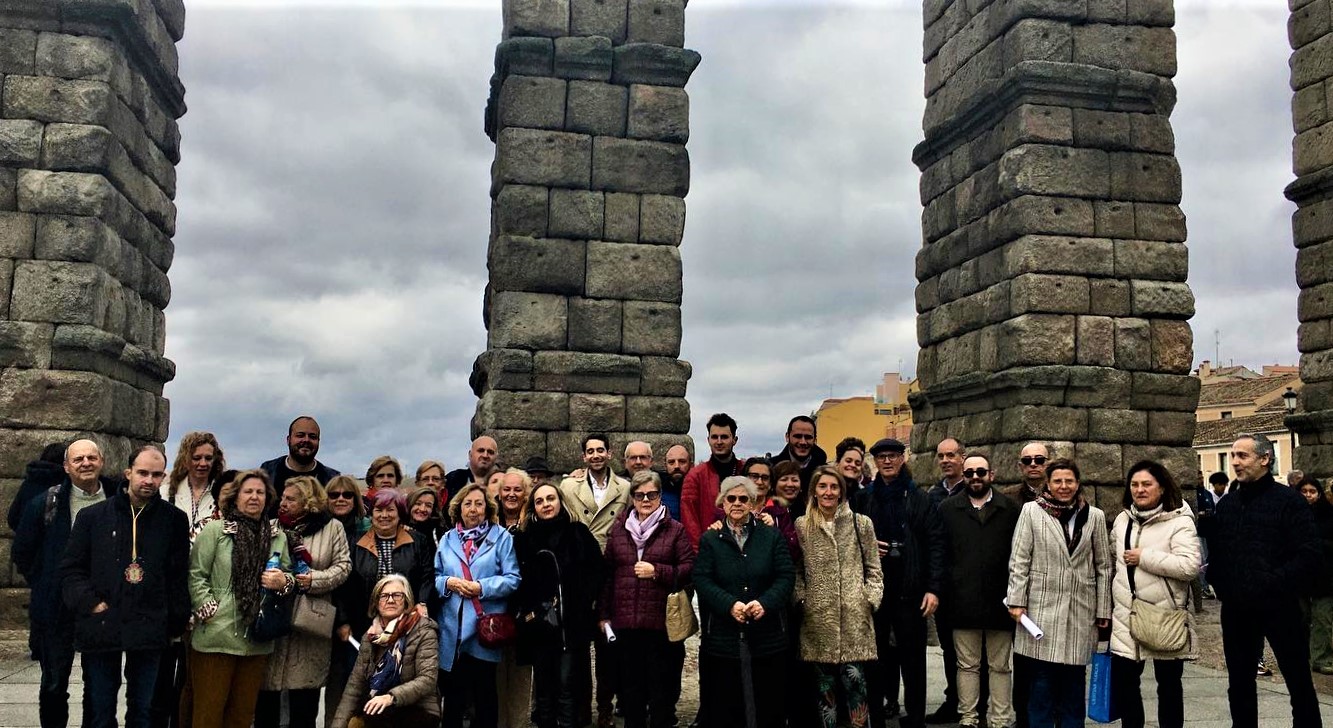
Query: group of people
[(484, 593)]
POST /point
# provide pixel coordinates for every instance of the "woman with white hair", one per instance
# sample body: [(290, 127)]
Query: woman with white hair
[(744, 576), (393, 682)]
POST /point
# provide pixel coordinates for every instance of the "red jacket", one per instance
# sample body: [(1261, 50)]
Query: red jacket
[(698, 498), (634, 603)]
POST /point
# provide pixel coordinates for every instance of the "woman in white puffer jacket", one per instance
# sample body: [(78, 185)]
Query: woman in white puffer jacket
[(1162, 557)]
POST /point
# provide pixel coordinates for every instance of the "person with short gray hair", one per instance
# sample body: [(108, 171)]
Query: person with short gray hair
[(1264, 549)]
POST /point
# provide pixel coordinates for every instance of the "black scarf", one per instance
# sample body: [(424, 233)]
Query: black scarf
[(249, 553)]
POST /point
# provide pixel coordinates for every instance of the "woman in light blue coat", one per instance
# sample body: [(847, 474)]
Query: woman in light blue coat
[(475, 571)]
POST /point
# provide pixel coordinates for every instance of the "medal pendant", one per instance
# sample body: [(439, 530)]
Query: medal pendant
[(134, 573)]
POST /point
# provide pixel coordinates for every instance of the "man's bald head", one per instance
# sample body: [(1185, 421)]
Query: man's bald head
[(1032, 461), (83, 464), (481, 456)]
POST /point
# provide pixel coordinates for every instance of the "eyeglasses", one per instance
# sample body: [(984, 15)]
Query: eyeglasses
[(341, 495), (760, 477), (978, 472), (1033, 460), (738, 499), (650, 495), (889, 456), (393, 597)]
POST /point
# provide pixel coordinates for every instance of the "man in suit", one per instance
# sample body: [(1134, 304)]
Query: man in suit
[(596, 498)]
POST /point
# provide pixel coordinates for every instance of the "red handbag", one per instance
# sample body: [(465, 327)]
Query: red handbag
[(493, 630)]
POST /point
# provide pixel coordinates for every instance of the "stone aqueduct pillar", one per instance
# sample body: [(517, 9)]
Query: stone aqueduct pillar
[(590, 119), (1310, 30), (1052, 298), (88, 146)]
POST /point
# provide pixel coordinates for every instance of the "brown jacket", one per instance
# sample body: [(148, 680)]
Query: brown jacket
[(416, 686), (840, 581), (300, 660)]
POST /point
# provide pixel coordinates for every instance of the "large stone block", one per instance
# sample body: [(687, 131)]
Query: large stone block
[(664, 376), (1109, 297), (1115, 218), (18, 233), (81, 57), (1145, 177), (606, 18), (659, 113), (545, 18), (55, 399), (44, 98), (505, 410), (1169, 392), (570, 371), (1130, 48), (627, 165), (537, 265), (548, 158), (6, 285), (596, 108), (66, 193), (657, 21), (662, 220), (628, 271), (1096, 341), (522, 210), (577, 213), (501, 369), (20, 142), (597, 412), (1099, 463), (58, 292), (1038, 169), (26, 345), (1117, 425), (1036, 339), (653, 64), (651, 329), (517, 446), (18, 51), (1040, 293), (1051, 254), (657, 414), (1034, 422), (1151, 260), (1161, 299), (594, 325), (1172, 347), (1133, 343), (527, 321), (8, 189), (587, 58), (1171, 428), (622, 217), (533, 102)]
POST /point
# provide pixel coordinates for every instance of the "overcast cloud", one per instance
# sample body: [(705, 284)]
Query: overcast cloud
[(334, 212)]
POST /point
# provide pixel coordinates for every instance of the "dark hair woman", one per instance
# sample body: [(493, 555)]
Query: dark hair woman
[(300, 661), (1320, 590), (561, 568), (475, 572), (744, 576), (1157, 556), (227, 572), (649, 556), (393, 681), (424, 513), (389, 547)]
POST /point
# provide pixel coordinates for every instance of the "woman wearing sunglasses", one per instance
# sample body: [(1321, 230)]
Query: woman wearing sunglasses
[(649, 557), (744, 576)]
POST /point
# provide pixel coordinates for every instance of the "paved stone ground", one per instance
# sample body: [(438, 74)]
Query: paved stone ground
[(1205, 686)]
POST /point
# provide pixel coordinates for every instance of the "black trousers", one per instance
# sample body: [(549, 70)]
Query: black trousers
[(722, 701), (170, 683), (900, 623), (558, 681), (302, 708), (1125, 676), (1243, 630), (652, 683), (55, 652), (1022, 688), (471, 682)]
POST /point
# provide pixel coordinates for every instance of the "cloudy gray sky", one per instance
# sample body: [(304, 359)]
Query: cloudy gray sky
[(334, 211)]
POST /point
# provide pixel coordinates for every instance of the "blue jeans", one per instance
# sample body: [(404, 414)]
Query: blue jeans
[(1056, 697), (101, 686)]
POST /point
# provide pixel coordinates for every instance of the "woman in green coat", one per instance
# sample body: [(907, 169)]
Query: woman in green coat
[(744, 576), (227, 573)]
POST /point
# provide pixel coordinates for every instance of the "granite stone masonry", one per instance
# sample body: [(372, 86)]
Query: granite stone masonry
[(89, 98), (590, 118), (1310, 30), (1051, 296)]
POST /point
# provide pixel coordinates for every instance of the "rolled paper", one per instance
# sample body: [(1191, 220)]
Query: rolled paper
[(610, 636), (1027, 623)]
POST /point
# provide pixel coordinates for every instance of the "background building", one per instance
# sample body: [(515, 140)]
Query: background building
[(887, 414), (1235, 400)]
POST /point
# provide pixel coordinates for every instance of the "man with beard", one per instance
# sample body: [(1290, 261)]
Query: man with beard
[(801, 448), (677, 465), (1032, 462), (912, 553), (949, 458), (302, 447), (39, 543), (980, 522), (699, 491), (1263, 552), (481, 458), (124, 581)]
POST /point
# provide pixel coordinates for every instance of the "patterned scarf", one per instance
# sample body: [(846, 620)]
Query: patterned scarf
[(389, 666), (297, 528), (641, 531), (470, 537), (1071, 517), (249, 553)]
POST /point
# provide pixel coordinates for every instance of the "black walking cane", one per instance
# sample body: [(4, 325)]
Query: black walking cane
[(747, 680)]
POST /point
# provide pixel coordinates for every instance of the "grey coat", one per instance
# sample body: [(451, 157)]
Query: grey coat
[(299, 660), (1064, 593)]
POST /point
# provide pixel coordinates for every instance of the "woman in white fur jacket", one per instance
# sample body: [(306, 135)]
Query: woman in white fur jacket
[(1156, 544)]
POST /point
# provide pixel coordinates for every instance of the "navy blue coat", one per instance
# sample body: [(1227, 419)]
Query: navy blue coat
[(38, 548)]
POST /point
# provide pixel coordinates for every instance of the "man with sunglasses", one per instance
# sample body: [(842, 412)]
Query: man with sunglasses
[(980, 522), (912, 551), (1032, 463)]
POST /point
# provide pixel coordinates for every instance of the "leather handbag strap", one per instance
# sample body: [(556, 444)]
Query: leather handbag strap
[(1129, 570), (476, 603)]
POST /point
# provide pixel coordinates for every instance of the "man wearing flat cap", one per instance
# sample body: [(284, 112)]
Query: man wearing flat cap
[(912, 551), (538, 470)]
